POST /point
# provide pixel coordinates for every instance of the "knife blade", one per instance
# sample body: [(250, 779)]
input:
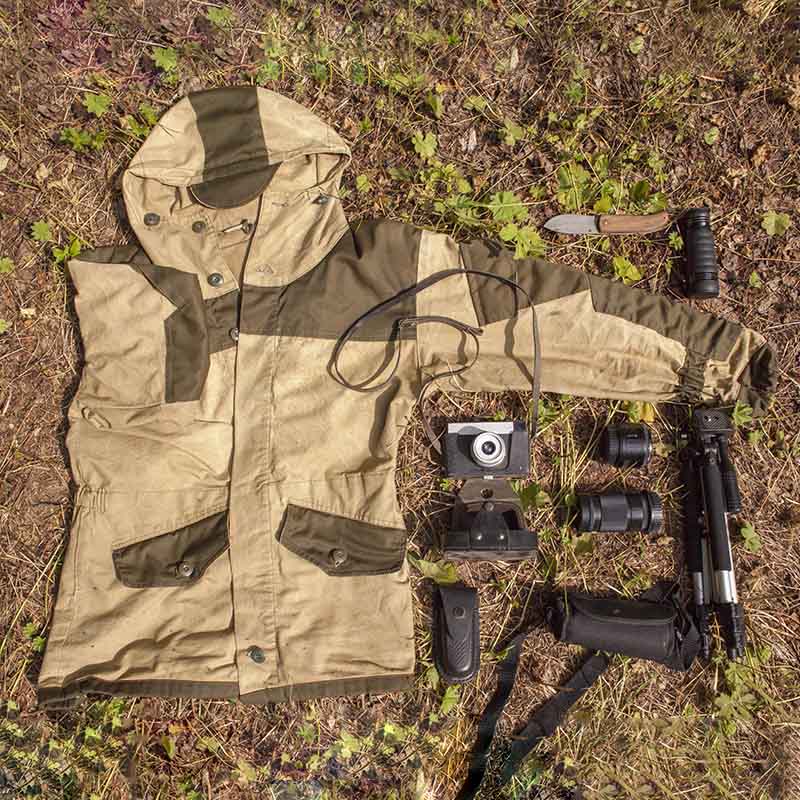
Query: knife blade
[(578, 224)]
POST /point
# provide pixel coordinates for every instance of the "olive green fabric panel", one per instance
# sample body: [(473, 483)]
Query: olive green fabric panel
[(222, 315), (187, 357), (330, 688), (340, 545), (161, 561), (236, 167), (712, 336), (123, 254), (542, 280), (72, 694), (368, 265)]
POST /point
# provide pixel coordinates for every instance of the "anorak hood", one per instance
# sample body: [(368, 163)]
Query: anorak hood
[(233, 154)]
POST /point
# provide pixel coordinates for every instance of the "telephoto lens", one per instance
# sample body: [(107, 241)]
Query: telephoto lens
[(702, 272), (619, 512), (626, 445)]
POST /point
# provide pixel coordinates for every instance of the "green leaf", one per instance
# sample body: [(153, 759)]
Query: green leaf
[(3, 325), (440, 571), (475, 103), (6, 266), (640, 191), (96, 104), (626, 270), (30, 630), (400, 174), (168, 743), (247, 772), (40, 231), (752, 541), (91, 735), (755, 280), (711, 136), (512, 132), (432, 677), (424, 145), (531, 496), (508, 233), (507, 207), (675, 241), (640, 411), (742, 414), (435, 103), (77, 139), (450, 699), (583, 544), (269, 71), (754, 437), (358, 73), (165, 58), (574, 186), (38, 644), (348, 745), (221, 18), (603, 205), (362, 183), (209, 744), (775, 224), (636, 45)]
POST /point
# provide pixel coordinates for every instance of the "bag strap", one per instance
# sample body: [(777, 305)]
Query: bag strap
[(413, 321), (544, 721)]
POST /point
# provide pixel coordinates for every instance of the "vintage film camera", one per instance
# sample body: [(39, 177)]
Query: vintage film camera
[(487, 521)]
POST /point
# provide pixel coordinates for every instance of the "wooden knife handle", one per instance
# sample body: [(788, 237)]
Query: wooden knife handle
[(632, 223)]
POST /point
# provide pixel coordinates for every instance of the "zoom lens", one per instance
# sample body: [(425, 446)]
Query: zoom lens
[(488, 449), (626, 445), (617, 511)]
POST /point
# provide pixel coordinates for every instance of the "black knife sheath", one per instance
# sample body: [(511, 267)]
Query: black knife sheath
[(456, 632)]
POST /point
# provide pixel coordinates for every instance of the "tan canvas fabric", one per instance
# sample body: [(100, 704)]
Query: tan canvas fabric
[(236, 529)]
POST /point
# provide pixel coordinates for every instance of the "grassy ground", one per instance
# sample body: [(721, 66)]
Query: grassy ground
[(566, 104)]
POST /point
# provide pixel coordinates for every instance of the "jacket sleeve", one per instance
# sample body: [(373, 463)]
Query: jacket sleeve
[(598, 337)]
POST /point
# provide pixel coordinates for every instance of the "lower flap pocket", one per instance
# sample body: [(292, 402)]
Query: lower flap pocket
[(341, 545), (175, 558)]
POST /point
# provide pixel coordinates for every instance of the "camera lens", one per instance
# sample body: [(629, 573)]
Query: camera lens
[(626, 445), (617, 511), (488, 449)]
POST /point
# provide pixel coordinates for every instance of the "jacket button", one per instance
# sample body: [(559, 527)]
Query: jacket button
[(256, 654), (151, 218), (215, 279), (185, 569), (199, 226), (234, 334), (338, 557)]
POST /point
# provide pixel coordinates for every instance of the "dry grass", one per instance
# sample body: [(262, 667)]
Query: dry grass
[(641, 732)]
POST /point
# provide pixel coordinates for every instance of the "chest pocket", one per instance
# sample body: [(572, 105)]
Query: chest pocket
[(144, 333)]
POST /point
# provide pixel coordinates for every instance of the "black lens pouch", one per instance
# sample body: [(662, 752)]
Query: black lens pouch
[(657, 631), (456, 632)]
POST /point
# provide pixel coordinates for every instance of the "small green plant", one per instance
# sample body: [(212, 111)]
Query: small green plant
[(512, 132), (40, 231), (531, 496), (435, 102), (527, 240), (626, 270), (754, 281), (775, 224), (63, 254), (640, 411), (79, 140), (475, 103), (507, 207), (221, 17), (424, 145), (742, 415), (166, 59), (96, 104), (363, 183), (6, 266), (711, 136), (752, 541), (142, 123), (439, 571)]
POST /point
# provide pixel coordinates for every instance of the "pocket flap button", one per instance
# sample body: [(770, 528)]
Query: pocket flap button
[(151, 218), (215, 279), (185, 569), (338, 557)]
